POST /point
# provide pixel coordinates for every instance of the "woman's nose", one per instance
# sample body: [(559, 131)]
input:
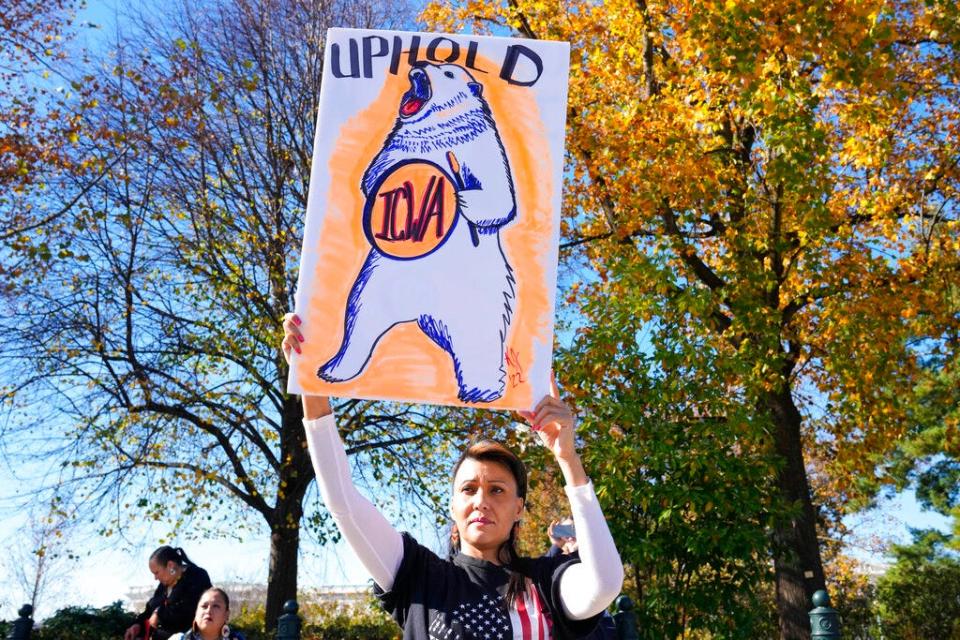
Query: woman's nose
[(480, 499)]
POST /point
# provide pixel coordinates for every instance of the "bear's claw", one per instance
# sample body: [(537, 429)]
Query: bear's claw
[(479, 395)]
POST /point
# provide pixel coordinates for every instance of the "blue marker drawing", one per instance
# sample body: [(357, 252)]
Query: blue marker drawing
[(461, 292)]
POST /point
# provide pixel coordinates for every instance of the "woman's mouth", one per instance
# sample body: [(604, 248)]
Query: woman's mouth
[(481, 520)]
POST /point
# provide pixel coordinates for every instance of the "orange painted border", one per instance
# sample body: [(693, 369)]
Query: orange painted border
[(406, 364)]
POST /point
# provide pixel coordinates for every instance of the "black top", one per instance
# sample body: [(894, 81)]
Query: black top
[(177, 610), (463, 599), (606, 629)]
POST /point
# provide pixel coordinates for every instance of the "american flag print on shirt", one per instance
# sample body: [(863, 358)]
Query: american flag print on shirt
[(529, 617), (487, 619)]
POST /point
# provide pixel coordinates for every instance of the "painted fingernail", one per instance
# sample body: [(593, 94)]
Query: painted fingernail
[(296, 320), (296, 348), (300, 338)]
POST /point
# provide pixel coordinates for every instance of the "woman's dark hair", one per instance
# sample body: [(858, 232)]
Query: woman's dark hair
[(493, 451), (223, 594), (163, 555)]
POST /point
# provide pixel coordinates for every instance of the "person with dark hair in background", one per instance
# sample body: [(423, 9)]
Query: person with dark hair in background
[(210, 622), (171, 609), (484, 589)]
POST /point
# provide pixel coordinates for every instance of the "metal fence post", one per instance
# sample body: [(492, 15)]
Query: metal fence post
[(626, 620), (23, 625), (288, 624), (824, 619)]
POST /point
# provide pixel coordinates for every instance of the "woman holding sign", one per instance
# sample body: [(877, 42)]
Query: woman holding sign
[(484, 590)]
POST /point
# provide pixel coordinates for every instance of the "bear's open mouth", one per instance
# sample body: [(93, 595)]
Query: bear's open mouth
[(414, 99)]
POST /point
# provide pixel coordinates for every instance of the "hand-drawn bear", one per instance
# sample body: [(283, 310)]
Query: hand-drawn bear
[(460, 289)]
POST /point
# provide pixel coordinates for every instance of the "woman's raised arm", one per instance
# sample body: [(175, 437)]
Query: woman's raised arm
[(588, 587), (374, 540)]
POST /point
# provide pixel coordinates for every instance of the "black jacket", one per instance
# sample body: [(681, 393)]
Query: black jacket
[(177, 610)]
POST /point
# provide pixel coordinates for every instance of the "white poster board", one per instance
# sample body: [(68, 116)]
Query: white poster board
[(430, 244)]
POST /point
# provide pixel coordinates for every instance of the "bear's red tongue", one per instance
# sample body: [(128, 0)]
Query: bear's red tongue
[(411, 105)]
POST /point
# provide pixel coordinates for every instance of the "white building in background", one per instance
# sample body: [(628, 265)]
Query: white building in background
[(250, 596)]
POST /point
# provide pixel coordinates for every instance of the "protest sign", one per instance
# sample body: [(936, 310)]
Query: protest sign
[(430, 243)]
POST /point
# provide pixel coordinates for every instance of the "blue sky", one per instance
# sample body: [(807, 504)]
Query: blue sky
[(107, 568)]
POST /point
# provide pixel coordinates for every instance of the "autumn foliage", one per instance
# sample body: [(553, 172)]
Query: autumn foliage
[(39, 128), (761, 195), (761, 275)]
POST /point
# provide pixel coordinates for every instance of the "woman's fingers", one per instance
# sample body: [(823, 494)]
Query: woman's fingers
[(291, 325), (554, 389), (551, 410), (289, 345), (292, 337), (546, 416)]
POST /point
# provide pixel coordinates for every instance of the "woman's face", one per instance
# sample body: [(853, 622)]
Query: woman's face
[(485, 506), (165, 574), (212, 614)]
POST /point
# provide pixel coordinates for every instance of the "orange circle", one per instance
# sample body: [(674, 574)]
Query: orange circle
[(412, 210)]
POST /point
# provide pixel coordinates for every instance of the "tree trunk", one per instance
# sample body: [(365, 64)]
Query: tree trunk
[(282, 579), (296, 474), (797, 564)]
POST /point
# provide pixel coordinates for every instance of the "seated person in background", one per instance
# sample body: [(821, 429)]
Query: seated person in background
[(172, 606), (210, 623)]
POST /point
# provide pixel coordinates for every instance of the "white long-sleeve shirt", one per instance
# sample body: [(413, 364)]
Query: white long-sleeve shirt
[(586, 588)]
